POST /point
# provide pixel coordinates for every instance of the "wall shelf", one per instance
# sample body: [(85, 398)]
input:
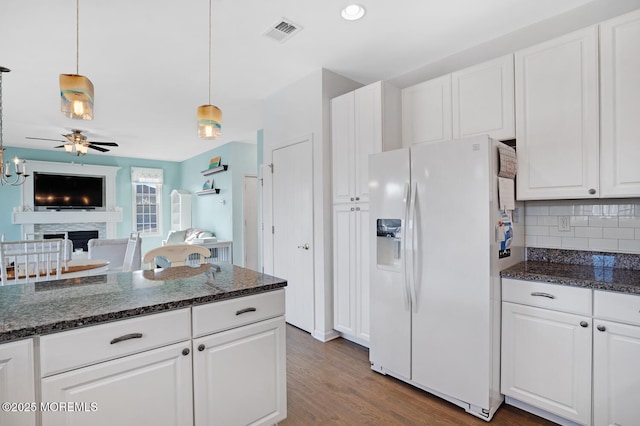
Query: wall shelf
[(218, 169), (209, 191)]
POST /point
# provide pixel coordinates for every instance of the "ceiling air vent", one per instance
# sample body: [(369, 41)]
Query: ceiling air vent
[(282, 30)]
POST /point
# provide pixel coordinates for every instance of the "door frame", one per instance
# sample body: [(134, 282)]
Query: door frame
[(245, 179), (302, 139)]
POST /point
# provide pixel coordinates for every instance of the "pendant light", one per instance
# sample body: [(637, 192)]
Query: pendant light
[(20, 166), (209, 116), (76, 91)]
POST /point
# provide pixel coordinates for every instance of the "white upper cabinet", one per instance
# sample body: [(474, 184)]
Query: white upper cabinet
[(363, 122), (483, 98), (557, 118), (426, 112), (620, 104)]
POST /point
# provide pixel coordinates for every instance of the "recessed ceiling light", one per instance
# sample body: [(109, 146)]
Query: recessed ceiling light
[(353, 12)]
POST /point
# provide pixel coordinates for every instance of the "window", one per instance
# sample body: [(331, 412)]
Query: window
[(147, 200)]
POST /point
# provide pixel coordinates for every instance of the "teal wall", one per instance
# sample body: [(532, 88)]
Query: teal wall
[(10, 195), (220, 213), (208, 212)]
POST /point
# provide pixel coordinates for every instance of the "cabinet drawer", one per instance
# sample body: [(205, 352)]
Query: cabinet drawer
[(219, 316), (550, 296), (90, 345), (617, 307)]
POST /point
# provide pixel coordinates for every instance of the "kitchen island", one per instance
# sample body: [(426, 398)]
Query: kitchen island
[(176, 346)]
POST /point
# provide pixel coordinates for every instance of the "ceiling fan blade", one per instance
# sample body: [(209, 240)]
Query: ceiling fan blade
[(44, 139), (97, 148), (59, 146), (104, 143)]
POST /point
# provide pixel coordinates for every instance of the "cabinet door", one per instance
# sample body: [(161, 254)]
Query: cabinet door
[(620, 103), (368, 135), (557, 118), (362, 302), (426, 112), (342, 144), (17, 382), (150, 388), (483, 98), (546, 360), (344, 257), (240, 375), (616, 373)]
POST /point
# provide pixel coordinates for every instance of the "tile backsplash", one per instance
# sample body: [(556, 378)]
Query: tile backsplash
[(594, 225)]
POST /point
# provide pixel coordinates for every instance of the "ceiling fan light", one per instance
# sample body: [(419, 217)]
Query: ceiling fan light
[(68, 147), (209, 122), (76, 96)]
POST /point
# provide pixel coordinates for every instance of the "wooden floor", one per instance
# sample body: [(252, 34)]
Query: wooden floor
[(332, 383)]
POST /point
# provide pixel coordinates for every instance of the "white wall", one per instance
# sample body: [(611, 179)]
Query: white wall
[(299, 110), (595, 225)]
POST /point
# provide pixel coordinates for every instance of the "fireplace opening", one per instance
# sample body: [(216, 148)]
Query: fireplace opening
[(79, 238)]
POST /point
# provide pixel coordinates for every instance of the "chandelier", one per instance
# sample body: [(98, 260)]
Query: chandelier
[(20, 166)]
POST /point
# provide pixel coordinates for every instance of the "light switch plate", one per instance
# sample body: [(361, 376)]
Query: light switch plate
[(564, 224)]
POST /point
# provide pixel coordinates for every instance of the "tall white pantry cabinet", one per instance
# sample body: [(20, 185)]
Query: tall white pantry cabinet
[(363, 122)]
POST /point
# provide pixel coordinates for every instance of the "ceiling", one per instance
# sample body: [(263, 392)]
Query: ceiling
[(148, 59)]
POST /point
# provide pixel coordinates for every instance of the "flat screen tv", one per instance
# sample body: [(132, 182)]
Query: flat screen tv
[(60, 191)]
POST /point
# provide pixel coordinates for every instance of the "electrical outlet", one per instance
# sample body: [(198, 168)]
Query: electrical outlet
[(564, 223)]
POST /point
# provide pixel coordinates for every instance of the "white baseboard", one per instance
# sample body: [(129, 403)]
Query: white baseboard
[(326, 336)]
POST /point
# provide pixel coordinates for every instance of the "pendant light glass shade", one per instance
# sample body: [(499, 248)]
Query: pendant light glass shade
[(76, 96), (209, 122), (209, 116)]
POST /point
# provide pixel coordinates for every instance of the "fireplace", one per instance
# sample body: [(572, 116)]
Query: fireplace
[(79, 238)]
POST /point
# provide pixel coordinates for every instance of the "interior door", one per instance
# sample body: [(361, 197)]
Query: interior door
[(250, 222), (293, 229)]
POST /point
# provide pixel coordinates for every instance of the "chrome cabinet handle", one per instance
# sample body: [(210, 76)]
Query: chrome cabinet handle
[(245, 310), (584, 324), (185, 351), (540, 294), (592, 191), (601, 328), (201, 347), (126, 337), (351, 198), (357, 198), (304, 246)]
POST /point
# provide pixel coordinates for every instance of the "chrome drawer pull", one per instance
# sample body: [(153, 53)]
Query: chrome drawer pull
[(127, 337), (245, 310), (540, 294)]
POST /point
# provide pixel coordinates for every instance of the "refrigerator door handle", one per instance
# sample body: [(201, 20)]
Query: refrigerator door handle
[(405, 247), (412, 250)]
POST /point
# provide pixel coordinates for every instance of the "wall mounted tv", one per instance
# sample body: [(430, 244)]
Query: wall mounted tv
[(61, 192)]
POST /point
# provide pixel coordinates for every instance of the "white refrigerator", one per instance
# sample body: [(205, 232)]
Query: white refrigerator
[(435, 265)]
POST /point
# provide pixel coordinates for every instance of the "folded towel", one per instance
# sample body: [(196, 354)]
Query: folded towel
[(508, 162)]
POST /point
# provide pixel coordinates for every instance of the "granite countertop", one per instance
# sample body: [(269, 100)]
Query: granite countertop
[(595, 277), (52, 306)]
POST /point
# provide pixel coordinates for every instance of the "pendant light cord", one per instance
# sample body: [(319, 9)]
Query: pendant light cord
[(209, 52), (77, 37)]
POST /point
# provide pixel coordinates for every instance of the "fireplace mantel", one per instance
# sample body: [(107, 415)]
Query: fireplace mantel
[(25, 218)]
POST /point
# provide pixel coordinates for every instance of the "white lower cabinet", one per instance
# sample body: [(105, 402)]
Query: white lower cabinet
[(548, 356), (153, 387), (17, 383), (240, 375), (616, 356), (546, 360)]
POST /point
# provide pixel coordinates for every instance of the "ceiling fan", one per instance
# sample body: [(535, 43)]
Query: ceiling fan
[(77, 143)]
